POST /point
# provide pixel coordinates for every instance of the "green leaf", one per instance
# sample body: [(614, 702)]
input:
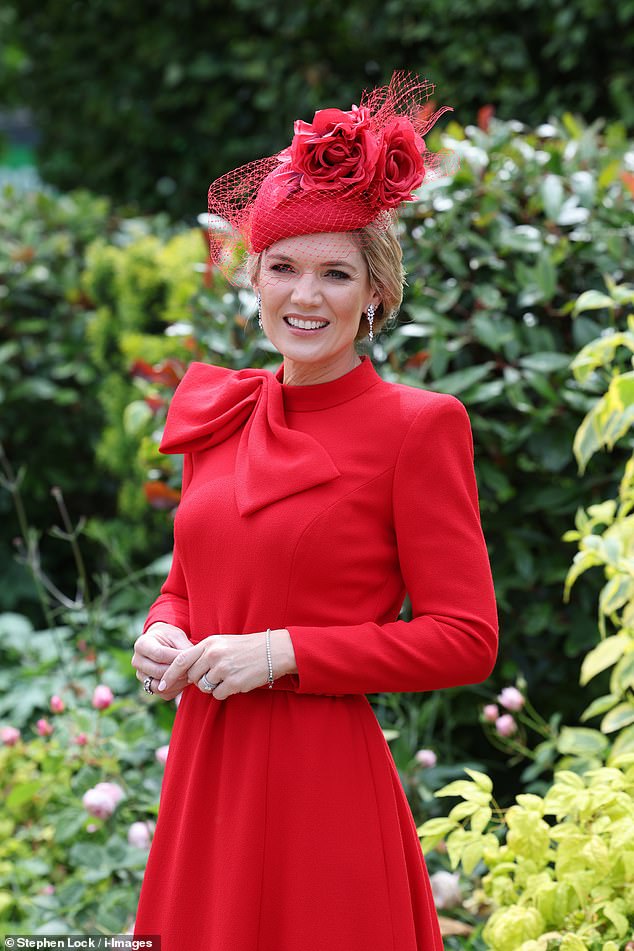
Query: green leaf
[(618, 718), (136, 416), (469, 791), (545, 362), (599, 706), (23, 792), (552, 192), (481, 780), (592, 300), (438, 826), (581, 741), (604, 655), (460, 381)]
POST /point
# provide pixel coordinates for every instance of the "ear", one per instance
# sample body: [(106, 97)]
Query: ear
[(375, 298)]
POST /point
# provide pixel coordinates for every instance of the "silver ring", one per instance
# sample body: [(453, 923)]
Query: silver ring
[(205, 686), (147, 684)]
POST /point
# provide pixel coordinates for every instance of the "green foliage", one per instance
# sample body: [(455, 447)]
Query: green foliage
[(560, 868), (49, 419), (61, 869), (173, 100), (605, 531)]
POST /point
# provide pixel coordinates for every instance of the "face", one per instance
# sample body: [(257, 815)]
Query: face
[(314, 291)]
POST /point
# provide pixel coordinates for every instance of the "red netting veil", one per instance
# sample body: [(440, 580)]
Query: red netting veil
[(341, 172)]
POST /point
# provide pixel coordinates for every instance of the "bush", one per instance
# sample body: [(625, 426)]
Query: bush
[(50, 419), (169, 102)]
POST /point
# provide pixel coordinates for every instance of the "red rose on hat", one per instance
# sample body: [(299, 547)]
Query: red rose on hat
[(402, 166), (338, 150)]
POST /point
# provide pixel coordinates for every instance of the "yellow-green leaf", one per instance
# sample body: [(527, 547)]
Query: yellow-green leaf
[(604, 655)]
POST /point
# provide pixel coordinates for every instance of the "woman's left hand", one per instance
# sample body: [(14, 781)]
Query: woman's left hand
[(236, 662)]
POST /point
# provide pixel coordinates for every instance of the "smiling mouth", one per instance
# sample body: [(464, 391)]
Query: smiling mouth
[(303, 324)]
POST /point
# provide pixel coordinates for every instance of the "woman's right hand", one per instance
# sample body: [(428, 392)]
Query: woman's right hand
[(154, 652)]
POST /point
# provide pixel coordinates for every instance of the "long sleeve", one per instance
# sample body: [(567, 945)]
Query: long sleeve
[(452, 637), (172, 604)]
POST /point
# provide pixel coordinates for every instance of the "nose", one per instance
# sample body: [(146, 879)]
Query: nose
[(306, 289)]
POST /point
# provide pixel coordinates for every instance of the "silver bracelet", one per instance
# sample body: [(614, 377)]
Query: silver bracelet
[(268, 655)]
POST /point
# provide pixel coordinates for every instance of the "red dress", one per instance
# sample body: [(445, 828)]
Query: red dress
[(283, 825)]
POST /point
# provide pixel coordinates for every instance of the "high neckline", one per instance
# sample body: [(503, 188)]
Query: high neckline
[(315, 396)]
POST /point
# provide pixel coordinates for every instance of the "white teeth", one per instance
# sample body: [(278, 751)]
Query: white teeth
[(306, 324)]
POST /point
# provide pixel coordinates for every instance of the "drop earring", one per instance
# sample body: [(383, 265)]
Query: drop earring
[(259, 299), (370, 313)]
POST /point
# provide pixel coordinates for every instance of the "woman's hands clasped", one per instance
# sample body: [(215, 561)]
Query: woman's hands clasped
[(155, 652), (237, 663)]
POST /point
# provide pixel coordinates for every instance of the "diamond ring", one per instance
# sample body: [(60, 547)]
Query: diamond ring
[(147, 684), (205, 686)]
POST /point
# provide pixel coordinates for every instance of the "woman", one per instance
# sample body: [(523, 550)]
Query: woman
[(313, 500)]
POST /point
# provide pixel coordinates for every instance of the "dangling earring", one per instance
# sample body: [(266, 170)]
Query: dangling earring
[(370, 313), (259, 299)]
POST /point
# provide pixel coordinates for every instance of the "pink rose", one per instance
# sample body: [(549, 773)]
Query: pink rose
[(140, 834), (113, 790), (445, 887), (9, 735), (102, 697), (102, 800), (338, 150), (511, 699), (491, 712), (81, 739), (56, 704), (43, 727), (161, 754), (426, 758), (401, 168), (506, 725), (98, 804)]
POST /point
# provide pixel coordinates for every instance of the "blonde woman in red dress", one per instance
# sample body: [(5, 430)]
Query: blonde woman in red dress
[(314, 498)]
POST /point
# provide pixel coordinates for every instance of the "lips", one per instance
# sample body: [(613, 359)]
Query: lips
[(304, 323)]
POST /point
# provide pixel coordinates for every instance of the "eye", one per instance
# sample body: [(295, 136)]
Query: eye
[(338, 275), (281, 268)]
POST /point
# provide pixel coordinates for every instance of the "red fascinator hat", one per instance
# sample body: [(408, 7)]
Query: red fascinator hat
[(342, 171)]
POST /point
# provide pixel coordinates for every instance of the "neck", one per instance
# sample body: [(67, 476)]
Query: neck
[(307, 374)]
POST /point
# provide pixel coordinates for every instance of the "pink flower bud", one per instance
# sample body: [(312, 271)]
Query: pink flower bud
[(91, 827), (511, 699), (161, 754), (57, 704), (9, 735), (98, 804), (113, 790), (47, 890), (445, 887), (102, 697), (426, 758), (81, 739), (140, 834), (505, 725), (491, 712), (43, 727)]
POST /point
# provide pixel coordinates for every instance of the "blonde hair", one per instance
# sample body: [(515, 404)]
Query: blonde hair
[(383, 256)]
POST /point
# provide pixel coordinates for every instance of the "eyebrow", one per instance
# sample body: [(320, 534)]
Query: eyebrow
[(279, 256)]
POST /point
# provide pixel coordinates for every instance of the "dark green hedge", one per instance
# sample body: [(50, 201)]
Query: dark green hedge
[(150, 102)]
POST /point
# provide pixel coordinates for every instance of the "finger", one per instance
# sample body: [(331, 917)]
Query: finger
[(180, 667), (151, 648), (223, 690)]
